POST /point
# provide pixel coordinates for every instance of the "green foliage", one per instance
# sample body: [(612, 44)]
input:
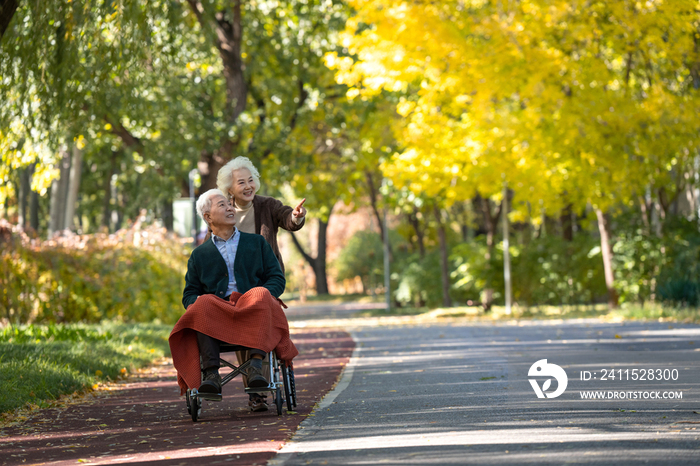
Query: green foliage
[(472, 273), (551, 270), (363, 256), (92, 278), (419, 281), (638, 257), (679, 277), (40, 363), (554, 271)]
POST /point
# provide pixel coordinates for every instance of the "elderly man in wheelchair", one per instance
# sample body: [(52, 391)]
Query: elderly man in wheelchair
[(231, 295)]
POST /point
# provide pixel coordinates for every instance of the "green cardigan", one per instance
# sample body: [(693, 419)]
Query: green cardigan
[(255, 265)]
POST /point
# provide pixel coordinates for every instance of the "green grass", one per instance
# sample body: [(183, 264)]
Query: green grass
[(41, 363), (332, 298), (657, 312), (626, 312), (394, 311)]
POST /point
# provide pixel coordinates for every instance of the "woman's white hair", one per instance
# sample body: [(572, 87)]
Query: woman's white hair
[(224, 179), (204, 201)]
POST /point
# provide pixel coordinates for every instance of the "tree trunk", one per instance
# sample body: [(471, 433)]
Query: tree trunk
[(34, 209), (415, 223), (373, 202), (461, 211), (606, 250), (506, 250), (73, 188), (646, 213), (25, 182), (228, 29), (491, 222), (567, 227), (318, 263), (444, 265), (167, 214), (7, 11), (107, 189), (59, 193)]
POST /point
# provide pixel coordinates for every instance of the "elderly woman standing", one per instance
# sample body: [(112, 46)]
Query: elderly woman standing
[(257, 214), (261, 215)]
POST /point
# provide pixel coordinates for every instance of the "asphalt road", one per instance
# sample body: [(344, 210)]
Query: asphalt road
[(460, 394)]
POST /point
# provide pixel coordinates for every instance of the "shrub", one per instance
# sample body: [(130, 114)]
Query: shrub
[(554, 271), (363, 256), (133, 276), (418, 280), (679, 272)]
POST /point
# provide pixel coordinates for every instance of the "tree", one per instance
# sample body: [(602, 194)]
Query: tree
[(85, 74), (7, 11), (553, 97)]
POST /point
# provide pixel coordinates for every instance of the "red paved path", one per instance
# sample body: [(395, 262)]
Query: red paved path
[(146, 421)]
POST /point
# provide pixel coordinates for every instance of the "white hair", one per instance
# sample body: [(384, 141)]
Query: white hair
[(224, 179), (204, 201)]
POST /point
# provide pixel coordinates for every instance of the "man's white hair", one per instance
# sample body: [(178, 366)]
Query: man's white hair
[(224, 179), (204, 201)]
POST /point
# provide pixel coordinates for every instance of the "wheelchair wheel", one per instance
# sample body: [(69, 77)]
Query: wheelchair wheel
[(292, 387), (287, 387), (194, 406), (278, 401)]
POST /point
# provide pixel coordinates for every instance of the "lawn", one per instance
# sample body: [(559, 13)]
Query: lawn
[(41, 363)]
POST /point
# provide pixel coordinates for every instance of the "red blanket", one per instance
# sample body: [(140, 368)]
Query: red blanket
[(254, 319)]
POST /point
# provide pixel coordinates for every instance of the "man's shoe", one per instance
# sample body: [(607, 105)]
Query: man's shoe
[(211, 383), (257, 402), (255, 378)]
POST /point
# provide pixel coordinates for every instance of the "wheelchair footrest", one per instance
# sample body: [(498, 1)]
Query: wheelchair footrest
[(209, 396), (260, 389)]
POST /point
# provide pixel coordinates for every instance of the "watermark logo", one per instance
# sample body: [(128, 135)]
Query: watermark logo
[(543, 369)]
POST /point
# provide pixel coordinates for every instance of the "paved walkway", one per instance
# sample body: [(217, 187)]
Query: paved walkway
[(460, 394), (144, 420)]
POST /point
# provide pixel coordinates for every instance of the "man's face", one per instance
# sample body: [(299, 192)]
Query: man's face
[(222, 214)]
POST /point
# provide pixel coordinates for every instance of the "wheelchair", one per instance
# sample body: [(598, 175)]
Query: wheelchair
[(281, 378)]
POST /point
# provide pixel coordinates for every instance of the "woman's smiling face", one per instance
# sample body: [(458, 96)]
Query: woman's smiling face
[(243, 186)]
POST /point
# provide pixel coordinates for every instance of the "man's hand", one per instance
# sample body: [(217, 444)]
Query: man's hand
[(299, 211)]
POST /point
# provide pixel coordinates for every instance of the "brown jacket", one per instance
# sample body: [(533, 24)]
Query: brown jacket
[(270, 214)]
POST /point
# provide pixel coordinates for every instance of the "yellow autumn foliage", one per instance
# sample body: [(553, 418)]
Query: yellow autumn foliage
[(568, 101)]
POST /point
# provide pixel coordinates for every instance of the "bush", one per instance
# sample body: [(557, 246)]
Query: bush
[(418, 281), (133, 276), (679, 274), (363, 256), (554, 271)]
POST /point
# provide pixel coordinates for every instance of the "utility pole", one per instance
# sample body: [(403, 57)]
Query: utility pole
[(387, 265), (506, 252), (193, 230)]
